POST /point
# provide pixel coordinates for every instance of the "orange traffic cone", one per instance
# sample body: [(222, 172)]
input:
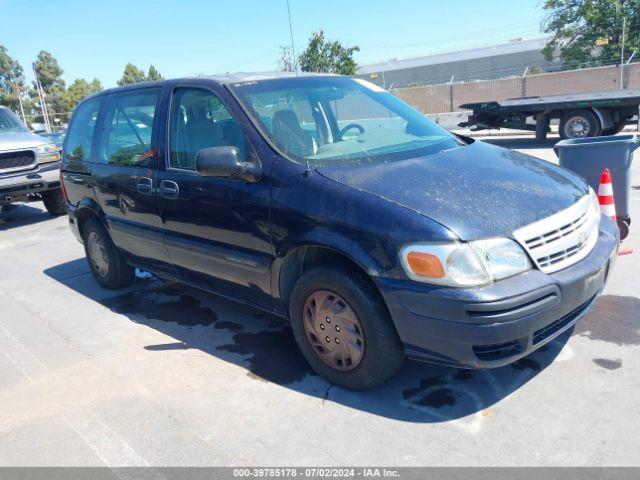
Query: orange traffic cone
[(607, 203), (605, 195)]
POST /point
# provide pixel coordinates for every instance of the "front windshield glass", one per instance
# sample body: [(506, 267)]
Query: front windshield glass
[(9, 122), (329, 121)]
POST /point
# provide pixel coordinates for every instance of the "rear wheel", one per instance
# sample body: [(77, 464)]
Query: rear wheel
[(343, 328), (54, 202), (579, 124), (107, 263)]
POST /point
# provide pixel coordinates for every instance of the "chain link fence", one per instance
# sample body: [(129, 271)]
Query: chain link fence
[(449, 96)]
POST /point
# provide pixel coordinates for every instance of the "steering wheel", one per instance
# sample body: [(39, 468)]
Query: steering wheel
[(349, 127)]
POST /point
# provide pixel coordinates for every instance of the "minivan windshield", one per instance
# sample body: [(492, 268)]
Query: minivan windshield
[(9, 122), (331, 121)]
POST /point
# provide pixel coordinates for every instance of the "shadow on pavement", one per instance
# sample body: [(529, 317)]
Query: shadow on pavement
[(265, 346), (21, 215)]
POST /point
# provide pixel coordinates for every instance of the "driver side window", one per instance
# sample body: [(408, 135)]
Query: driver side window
[(200, 120)]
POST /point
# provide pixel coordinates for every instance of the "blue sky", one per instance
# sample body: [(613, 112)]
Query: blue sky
[(97, 38)]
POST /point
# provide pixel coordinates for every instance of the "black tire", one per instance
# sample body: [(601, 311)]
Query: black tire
[(118, 272), (623, 226), (54, 202), (382, 354), (617, 128), (587, 119), (542, 127)]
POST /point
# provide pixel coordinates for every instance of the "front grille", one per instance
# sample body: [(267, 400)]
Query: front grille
[(19, 160), (563, 239)]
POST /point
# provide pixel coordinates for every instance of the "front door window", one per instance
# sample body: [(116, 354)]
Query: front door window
[(200, 120)]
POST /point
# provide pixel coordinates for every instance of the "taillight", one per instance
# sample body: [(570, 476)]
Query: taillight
[(64, 192)]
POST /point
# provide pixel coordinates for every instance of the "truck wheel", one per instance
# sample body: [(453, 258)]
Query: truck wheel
[(107, 264), (54, 202), (617, 128), (343, 328), (579, 124)]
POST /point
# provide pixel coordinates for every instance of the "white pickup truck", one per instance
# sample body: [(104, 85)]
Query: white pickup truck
[(29, 166)]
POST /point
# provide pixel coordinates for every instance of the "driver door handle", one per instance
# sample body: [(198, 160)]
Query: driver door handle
[(169, 189)]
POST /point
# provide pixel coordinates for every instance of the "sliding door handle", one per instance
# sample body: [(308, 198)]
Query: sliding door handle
[(169, 189)]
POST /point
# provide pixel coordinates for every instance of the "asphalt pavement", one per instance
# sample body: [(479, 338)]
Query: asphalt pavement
[(164, 375)]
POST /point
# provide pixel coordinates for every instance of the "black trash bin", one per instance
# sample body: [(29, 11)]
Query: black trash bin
[(589, 156)]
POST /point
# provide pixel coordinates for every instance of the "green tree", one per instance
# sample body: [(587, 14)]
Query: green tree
[(132, 74), (50, 76), (154, 74), (322, 55), (11, 80), (589, 32), (79, 89), (95, 86)]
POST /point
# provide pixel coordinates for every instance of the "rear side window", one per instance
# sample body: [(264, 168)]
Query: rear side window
[(128, 128), (80, 133)]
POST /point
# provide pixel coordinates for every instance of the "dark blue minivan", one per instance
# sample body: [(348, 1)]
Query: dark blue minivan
[(330, 202)]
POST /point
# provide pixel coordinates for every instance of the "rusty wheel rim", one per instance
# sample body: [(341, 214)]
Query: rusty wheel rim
[(98, 254), (333, 330)]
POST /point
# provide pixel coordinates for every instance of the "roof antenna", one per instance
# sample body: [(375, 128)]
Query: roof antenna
[(307, 172), (293, 48)]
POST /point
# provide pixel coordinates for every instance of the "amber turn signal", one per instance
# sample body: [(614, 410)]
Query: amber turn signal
[(425, 265)]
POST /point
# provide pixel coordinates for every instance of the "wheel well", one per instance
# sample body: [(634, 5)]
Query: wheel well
[(305, 258), (83, 216)]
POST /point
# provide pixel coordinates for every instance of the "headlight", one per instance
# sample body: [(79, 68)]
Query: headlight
[(464, 264), (47, 153)]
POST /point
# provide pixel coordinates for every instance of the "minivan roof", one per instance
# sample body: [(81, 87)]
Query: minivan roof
[(223, 79)]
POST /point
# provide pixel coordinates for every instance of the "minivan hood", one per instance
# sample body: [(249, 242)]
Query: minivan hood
[(477, 191), (20, 140)]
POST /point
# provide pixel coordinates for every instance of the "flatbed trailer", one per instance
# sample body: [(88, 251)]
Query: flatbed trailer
[(580, 114)]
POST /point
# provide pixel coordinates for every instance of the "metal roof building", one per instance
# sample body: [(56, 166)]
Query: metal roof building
[(484, 63)]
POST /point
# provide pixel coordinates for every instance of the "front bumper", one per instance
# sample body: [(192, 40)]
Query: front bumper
[(492, 326), (17, 186)]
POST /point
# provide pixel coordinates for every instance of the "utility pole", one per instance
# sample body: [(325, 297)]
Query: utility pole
[(19, 94), (293, 47), (624, 24), (43, 104)]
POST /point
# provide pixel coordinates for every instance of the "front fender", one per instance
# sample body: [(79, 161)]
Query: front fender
[(322, 237)]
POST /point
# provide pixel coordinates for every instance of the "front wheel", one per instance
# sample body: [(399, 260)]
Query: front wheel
[(54, 202), (343, 328)]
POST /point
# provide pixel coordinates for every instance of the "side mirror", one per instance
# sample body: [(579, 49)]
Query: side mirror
[(225, 162)]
